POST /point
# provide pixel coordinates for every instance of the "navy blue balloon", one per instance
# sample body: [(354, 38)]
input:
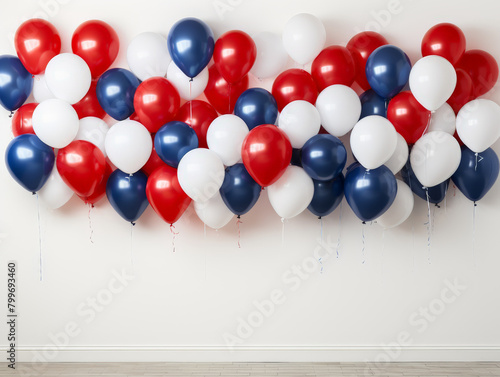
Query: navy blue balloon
[(127, 194), (370, 193), (476, 175), (239, 191), (436, 193), (29, 161), (387, 70), (191, 45), (373, 104), (16, 82), (323, 157), (256, 106), (173, 141), (296, 159), (115, 92), (327, 196)]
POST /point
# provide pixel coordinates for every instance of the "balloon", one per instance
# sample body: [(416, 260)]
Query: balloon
[(373, 141), (408, 116), (432, 81), (100, 190), (222, 95), (387, 70), (81, 166), (213, 212), (445, 40), (339, 108), (55, 122), (334, 65), (37, 41), (477, 173), (372, 104), (191, 45), (327, 196), (225, 137), (89, 105), (148, 56), (271, 55), (173, 141), (29, 161), (292, 85), (399, 157), (165, 194), (55, 193), (434, 194), (97, 43), (361, 46), (199, 115), (482, 69), (399, 210), (266, 153), (434, 158), (443, 119), (127, 194), (234, 55), (93, 130), (256, 106), (304, 36), (41, 91), (370, 193), (478, 124), (292, 193), (156, 101), (201, 173), (300, 121), (153, 162), (68, 77), (239, 191), (187, 88), (296, 157), (16, 83), (22, 120), (463, 91), (323, 157), (115, 91)]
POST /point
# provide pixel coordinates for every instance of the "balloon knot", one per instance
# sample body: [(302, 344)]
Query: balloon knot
[(11, 114), (133, 224), (239, 217), (33, 193), (437, 205), (191, 79), (319, 217), (475, 204), (364, 222)]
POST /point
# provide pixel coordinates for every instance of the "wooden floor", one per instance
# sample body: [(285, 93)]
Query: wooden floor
[(254, 369)]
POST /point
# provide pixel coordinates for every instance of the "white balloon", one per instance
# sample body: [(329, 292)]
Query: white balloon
[(93, 130), (339, 108), (271, 55), (128, 145), (304, 37), (432, 81), (200, 173), (213, 212), (399, 157), (68, 77), (41, 91), (55, 193), (55, 122), (443, 119), (148, 56), (435, 157), (300, 120), (400, 209), (225, 136), (182, 82), (373, 141), (291, 193), (478, 124)]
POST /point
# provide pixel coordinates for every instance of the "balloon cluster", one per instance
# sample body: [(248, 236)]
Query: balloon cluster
[(170, 148)]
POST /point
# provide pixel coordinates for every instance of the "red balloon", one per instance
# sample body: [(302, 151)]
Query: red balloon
[(463, 91), (154, 161), (135, 117), (156, 102), (234, 55), (408, 116), (292, 85), (199, 115), (81, 166), (97, 43), (22, 120), (266, 152), (100, 190), (361, 46), (89, 106), (446, 40), (334, 65), (221, 94), (37, 41), (482, 69), (166, 195)]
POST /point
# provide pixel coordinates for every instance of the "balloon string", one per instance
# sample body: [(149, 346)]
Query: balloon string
[(282, 232), (132, 224), (40, 264), (413, 242), (428, 124), (363, 224), (382, 256), (320, 228), (174, 233), (474, 208), (340, 230), (229, 96), (204, 230), (90, 223), (190, 103), (238, 222), (429, 224)]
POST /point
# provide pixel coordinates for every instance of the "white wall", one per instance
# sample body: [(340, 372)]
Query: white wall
[(180, 305)]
